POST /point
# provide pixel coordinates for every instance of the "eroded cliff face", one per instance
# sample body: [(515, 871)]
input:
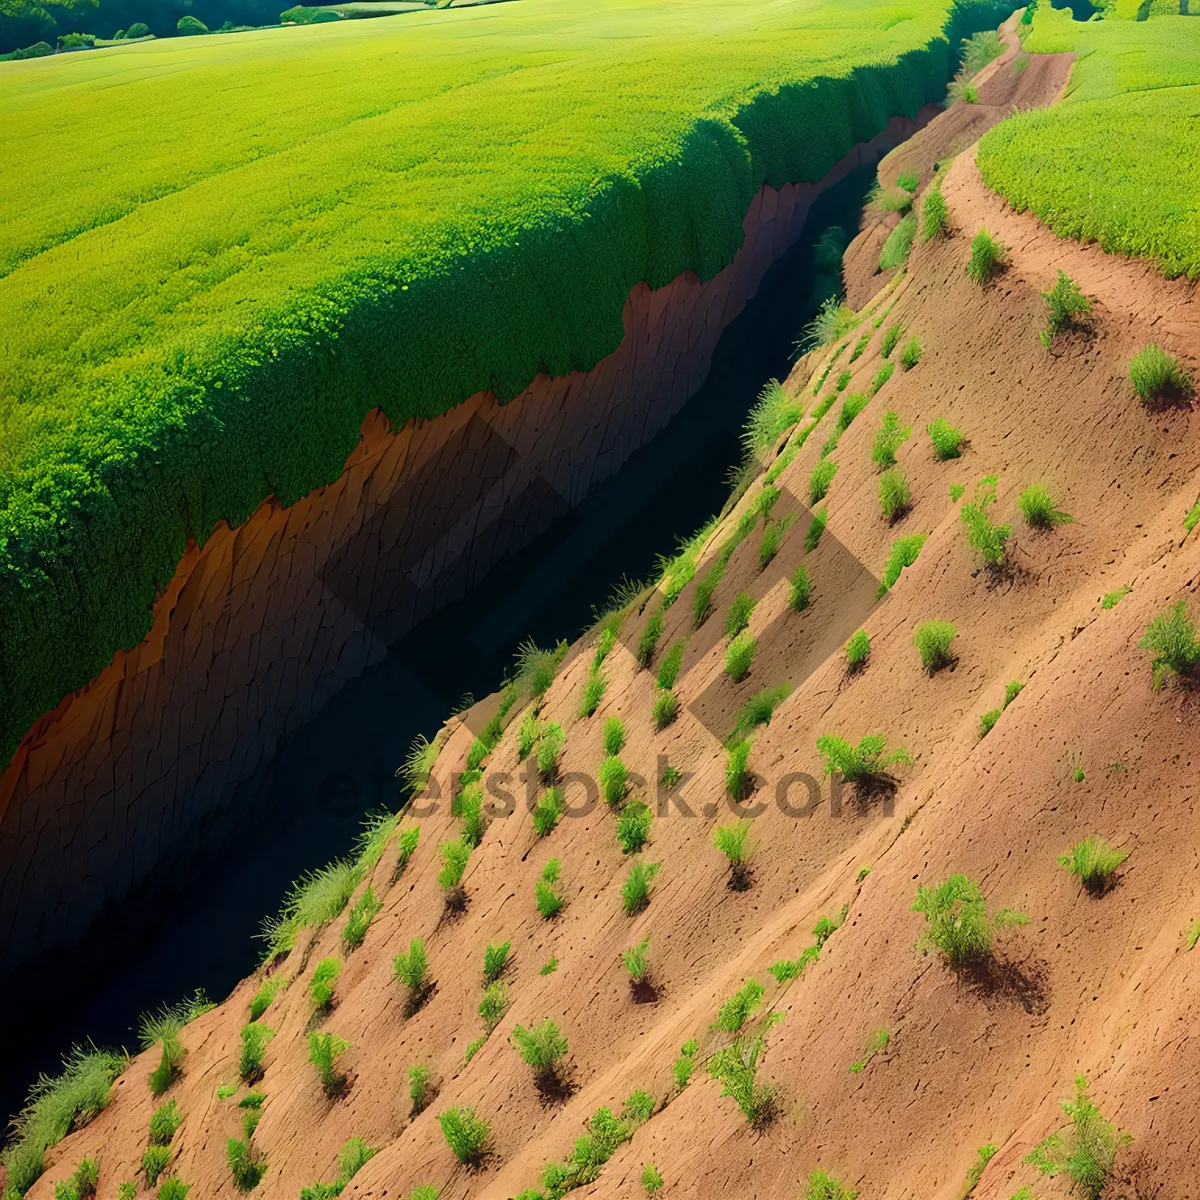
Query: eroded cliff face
[(264, 623)]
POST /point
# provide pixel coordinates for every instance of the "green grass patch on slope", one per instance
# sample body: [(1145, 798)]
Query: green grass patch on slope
[(396, 214), (1116, 161)]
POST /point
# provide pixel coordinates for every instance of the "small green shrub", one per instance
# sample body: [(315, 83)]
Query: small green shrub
[(800, 594), (889, 437), (668, 669), (352, 1157), (543, 1047), (173, 1189), (154, 1163), (666, 709), (759, 709), (360, 918), (255, 1037), (549, 902), (956, 492), (1095, 862), (637, 960), (734, 841), (738, 616), (549, 747), (908, 180), (593, 692), (986, 539), (860, 346), (246, 1165), (1064, 302), (164, 1121), (858, 650), (614, 736), (1112, 599), (419, 1091), (899, 243), (903, 554), (648, 642), (736, 1067), (264, 996), (411, 968), (975, 1171), (127, 1190), (825, 1187), (832, 320), (633, 826), (527, 736), (739, 655), (987, 256), (737, 779), (1037, 507), (454, 865), (495, 960), (843, 381), (1171, 638), (613, 778), (866, 762), (494, 1005), (325, 975), (466, 1134), (947, 441), (932, 639), (407, 841), (820, 479), (685, 1064), (1086, 1152), (882, 376), (635, 891), (739, 1008), (1156, 374), (937, 217), (549, 966), (164, 1028), (652, 1180), (895, 498), (956, 921), (911, 354), (815, 529), (547, 811), (324, 1049)]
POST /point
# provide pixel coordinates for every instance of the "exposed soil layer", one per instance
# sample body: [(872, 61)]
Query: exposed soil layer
[(1100, 985), (266, 622)]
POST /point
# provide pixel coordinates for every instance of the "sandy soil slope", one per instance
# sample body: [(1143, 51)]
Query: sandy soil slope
[(1098, 985)]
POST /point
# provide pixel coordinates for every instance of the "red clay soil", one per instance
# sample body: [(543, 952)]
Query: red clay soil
[(1095, 985), (1012, 81)]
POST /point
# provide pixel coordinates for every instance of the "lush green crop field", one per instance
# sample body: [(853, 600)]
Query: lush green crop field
[(1118, 162), (219, 253)]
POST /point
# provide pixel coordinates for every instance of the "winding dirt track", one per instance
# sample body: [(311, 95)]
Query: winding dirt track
[(1096, 985)]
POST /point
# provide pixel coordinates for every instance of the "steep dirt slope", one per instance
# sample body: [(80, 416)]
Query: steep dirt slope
[(1101, 986), (1011, 81)]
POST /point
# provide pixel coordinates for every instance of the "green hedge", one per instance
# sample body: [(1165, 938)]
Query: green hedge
[(170, 437)]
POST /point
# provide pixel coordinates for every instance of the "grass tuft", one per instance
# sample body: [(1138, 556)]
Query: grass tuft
[(932, 639), (635, 891), (889, 437), (1064, 302), (987, 257), (1156, 375), (739, 655), (1094, 862), (895, 499), (947, 441), (899, 242), (1038, 509), (1171, 638)]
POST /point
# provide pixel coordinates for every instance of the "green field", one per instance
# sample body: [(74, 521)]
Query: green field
[(220, 253), (1118, 162)]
